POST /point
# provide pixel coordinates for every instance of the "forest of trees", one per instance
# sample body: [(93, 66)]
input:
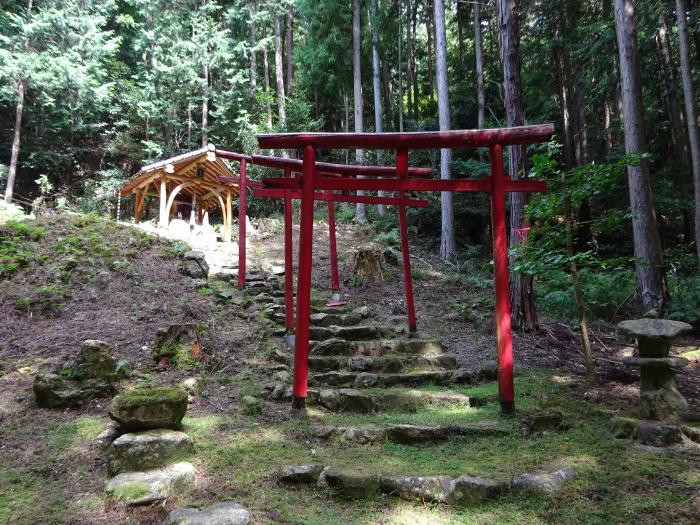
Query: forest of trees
[(92, 89)]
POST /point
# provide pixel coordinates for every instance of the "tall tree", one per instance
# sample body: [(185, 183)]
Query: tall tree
[(522, 295), (647, 245), (289, 43), (253, 42), (479, 52), (21, 87), (266, 80), (690, 109), (360, 210), (398, 68), (279, 74), (376, 86), (448, 250)]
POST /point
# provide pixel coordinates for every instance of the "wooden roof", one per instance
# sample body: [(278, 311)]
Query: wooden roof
[(197, 170)]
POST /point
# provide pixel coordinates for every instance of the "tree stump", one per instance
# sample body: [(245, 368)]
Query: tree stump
[(368, 263)]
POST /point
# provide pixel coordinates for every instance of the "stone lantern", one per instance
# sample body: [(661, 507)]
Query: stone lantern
[(659, 397)]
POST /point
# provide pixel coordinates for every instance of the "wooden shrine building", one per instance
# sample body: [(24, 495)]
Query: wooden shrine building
[(186, 186)]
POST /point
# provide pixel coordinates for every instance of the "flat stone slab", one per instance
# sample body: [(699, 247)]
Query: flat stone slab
[(226, 513), (145, 488), (353, 484), (466, 491), (653, 329), (356, 401), (301, 473), (543, 482), (148, 450), (54, 391), (658, 434), (369, 380), (657, 362), (418, 488), (410, 434)]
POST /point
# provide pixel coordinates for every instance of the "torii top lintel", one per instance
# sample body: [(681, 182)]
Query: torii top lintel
[(469, 138)]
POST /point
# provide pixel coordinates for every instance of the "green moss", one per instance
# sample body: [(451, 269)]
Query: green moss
[(148, 396), (179, 354), (129, 491)]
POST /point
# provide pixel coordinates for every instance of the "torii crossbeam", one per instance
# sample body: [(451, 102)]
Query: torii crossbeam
[(497, 185)]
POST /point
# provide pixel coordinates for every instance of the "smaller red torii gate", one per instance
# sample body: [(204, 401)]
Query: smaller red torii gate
[(292, 167), (497, 185)]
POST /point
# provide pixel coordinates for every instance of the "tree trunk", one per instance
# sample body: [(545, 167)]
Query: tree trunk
[(522, 295), (253, 57), (289, 41), (677, 133), (279, 75), (647, 245), (19, 108), (409, 62), (690, 110), (266, 79), (377, 88), (346, 123), (448, 250), (360, 210), (205, 103), (400, 104), (460, 32), (479, 51), (430, 28)]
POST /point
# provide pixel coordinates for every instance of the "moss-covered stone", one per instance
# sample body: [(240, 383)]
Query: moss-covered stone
[(622, 427), (53, 391), (148, 408)]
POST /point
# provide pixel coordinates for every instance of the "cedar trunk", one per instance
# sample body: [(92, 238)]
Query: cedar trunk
[(279, 75), (690, 109), (14, 156), (360, 210), (522, 297), (377, 89), (647, 245), (448, 249), (479, 51)]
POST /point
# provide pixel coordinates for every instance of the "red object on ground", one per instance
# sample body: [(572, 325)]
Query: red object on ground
[(498, 185), (241, 226)]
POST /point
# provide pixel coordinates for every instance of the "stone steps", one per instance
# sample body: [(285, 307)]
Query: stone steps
[(410, 434), (394, 400), (392, 364), (367, 379), (377, 347)]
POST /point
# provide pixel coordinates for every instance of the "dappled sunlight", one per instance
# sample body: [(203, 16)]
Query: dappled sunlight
[(408, 514)]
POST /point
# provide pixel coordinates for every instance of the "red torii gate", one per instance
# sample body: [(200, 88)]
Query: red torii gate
[(497, 184), (293, 167)]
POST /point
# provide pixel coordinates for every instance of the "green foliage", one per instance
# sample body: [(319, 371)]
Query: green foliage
[(14, 250), (685, 299)]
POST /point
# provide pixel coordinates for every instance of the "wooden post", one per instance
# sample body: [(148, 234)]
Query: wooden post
[(288, 260), (163, 217), (504, 336), (335, 279), (241, 226), (301, 338), (228, 215), (402, 170), (138, 206)]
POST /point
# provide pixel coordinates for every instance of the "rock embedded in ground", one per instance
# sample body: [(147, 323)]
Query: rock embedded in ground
[(466, 491), (54, 391), (692, 433), (301, 473), (364, 434), (418, 488), (414, 434), (152, 486), (353, 484), (95, 361), (366, 380), (543, 482), (149, 408), (547, 419), (333, 346), (329, 398), (149, 449), (488, 370), (352, 400), (251, 405), (622, 427), (658, 434), (194, 265), (107, 436), (225, 513)]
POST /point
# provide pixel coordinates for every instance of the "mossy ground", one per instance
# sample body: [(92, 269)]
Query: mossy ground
[(53, 472)]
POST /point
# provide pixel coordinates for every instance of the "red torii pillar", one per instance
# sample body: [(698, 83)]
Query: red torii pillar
[(497, 185)]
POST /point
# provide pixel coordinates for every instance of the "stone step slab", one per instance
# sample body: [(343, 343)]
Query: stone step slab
[(152, 486), (225, 513), (376, 348), (370, 380), (148, 450), (381, 364), (408, 434), (356, 401)]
